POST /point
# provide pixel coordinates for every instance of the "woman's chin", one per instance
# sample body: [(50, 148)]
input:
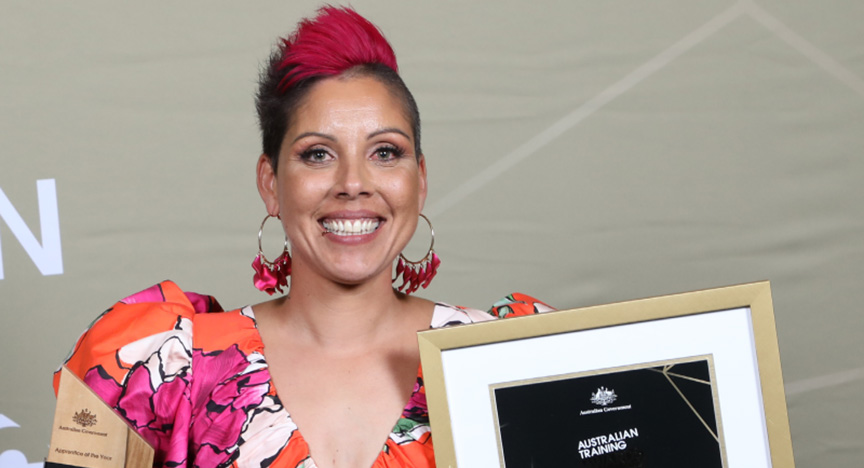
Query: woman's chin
[(354, 277)]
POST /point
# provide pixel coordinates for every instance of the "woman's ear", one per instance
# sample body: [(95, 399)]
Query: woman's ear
[(266, 179), (421, 163)]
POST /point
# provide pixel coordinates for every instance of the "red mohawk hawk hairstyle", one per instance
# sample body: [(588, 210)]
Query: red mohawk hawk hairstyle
[(336, 40)]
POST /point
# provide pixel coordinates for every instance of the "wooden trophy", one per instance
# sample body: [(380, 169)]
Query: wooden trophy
[(87, 433)]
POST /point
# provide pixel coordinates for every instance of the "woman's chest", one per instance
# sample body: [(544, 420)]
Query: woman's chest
[(346, 408)]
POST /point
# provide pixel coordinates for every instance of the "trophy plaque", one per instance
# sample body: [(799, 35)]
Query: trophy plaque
[(87, 433)]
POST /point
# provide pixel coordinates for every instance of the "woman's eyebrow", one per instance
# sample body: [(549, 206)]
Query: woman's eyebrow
[(387, 130), (308, 134)]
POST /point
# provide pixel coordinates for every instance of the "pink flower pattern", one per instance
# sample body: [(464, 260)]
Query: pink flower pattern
[(200, 408)]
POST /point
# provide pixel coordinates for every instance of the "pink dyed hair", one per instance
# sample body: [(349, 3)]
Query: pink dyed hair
[(336, 40)]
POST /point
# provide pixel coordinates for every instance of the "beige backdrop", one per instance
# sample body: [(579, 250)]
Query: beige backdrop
[(581, 151)]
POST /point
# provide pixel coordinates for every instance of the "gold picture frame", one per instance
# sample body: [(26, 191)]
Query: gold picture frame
[(733, 325)]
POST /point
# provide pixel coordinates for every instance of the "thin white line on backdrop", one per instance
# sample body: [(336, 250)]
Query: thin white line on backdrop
[(824, 381), (787, 35), (572, 119)]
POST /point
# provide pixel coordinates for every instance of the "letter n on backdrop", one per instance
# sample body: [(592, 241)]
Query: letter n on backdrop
[(47, 256)]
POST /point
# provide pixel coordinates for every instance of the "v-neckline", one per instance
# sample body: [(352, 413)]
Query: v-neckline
[(248, 312)]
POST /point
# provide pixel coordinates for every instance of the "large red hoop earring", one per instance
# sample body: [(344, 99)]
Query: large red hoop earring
[(420, 273), (271, 276)]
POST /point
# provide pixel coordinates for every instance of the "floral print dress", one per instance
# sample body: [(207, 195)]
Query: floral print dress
[(194, 382)]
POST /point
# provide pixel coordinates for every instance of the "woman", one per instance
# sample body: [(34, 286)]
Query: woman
[(343, 171)]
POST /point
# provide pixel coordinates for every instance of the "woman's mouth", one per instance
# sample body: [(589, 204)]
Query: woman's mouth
[(350, 227)]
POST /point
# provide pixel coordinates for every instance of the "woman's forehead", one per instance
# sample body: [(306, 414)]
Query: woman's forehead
[(358, 103)]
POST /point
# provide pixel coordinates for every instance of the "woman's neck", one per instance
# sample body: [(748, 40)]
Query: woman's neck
[(345, 318)]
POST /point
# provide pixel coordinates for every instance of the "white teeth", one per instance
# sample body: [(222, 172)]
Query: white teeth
[(348, 227)]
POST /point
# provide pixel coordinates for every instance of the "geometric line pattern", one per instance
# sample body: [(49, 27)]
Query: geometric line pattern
[(669, 376), (569, 121), (741, 8)]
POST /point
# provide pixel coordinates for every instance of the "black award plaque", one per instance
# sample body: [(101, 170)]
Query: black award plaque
[(654, 415)]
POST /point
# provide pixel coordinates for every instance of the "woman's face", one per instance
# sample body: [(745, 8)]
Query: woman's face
[(349, 187)]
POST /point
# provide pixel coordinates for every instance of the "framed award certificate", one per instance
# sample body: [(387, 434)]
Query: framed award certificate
[(684, 380)]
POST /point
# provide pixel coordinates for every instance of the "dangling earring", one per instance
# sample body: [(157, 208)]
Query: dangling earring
[(271, 276), (420, 273)]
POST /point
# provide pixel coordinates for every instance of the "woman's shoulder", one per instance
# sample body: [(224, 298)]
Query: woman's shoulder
[(512, 305), (156, 321), (140, 357), (518, 304)]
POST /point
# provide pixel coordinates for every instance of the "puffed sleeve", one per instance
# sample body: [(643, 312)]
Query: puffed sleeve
[(137, 357), (517, 304)]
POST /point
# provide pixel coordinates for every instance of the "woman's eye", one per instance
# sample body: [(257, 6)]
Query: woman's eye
[(388, 153), (315, 155)]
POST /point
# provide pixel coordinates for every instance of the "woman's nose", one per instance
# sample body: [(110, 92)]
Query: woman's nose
[(353, 178)]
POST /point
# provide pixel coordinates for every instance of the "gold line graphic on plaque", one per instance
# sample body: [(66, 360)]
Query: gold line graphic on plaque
[(669, 376)]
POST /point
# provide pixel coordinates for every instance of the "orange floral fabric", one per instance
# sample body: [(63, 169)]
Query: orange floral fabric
[(194, 382)]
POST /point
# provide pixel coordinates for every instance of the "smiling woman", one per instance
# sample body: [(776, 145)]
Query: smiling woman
[(343, 170), (346, 159)]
